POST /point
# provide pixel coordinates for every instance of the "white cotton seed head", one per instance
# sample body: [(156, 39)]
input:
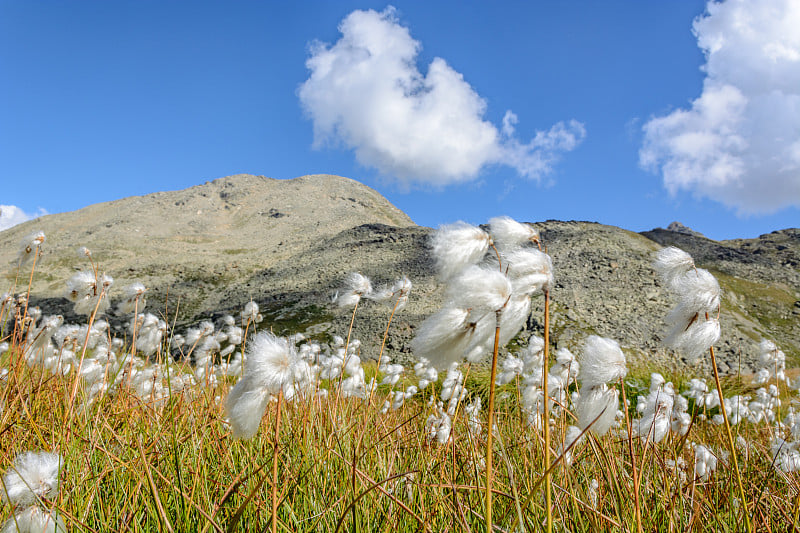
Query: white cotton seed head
[(529, 270), (657, 414), (271, 362), (656, 381), (250, 312), (698, 291), (395, 295), (510, 368), (245, 406), (507, 233), (481, 289), (601, 361), (767, 346), (705, 462), (134, 299), (443, 337), (671, 262), (35, 520), (29, 246), (80, 285), (696, 340), (357, 286), (457, 246), (514, 317), (597, 408), (32, 476), (358, 283)]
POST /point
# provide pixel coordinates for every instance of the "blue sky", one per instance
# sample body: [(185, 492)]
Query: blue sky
[(620, 116)]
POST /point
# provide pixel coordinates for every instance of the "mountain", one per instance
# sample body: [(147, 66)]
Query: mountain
[(289, 244)]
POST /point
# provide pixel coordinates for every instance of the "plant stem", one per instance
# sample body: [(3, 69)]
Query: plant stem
[(380, 354), (135, 323), (546, 422), (77, 379), (490, 424), (636, 479), (344, 363), (275, 464), (731, 445), (28, 292)]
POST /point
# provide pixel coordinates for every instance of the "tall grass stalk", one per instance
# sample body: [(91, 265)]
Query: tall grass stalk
[(490, 423), (275, 451), (730, 443), (383, 345), (636, 479), (30, 283), (546, 417)]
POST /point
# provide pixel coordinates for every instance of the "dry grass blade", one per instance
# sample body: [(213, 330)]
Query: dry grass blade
[(161, 512)]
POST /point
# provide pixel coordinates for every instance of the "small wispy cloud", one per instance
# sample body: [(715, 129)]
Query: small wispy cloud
[(739, 143), (366, 93), (11, 215)]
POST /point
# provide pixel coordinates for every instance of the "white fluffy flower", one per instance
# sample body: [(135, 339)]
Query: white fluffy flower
[(656, 418), (529, 270), (670, 262), (273, 362), (507, 233), (34, 520), (245, 406), (597, 407), (443, 337), (272, 365), (438, 425), (457, 246), (134, 300), (696, 339), (705, 462), (601, 361), (357, 285), (394, 295), (697, 295), (480, 289), (33, 476), (29, 246), (425, 372)]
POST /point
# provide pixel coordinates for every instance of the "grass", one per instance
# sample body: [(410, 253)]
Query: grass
[(134, 466)]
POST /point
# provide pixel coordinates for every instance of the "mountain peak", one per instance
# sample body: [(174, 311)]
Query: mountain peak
[(677, 227)]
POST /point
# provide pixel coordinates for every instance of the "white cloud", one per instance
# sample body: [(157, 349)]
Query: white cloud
[(11, 215), (739, 143), (365, 92)]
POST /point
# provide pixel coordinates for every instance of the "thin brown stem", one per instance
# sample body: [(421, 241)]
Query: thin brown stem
[(77, 379), (30, 284), (275, 464), (135, 323), (636, 503), (546, 422), (490, 423), (344, 362), (380, 354), (731, 445)]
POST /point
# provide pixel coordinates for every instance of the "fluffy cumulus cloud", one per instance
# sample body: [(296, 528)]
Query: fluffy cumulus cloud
[(739, 143), (366, 93), (11, 215)]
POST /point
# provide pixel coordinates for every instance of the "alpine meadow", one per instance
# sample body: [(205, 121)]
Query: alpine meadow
[(501, 404)]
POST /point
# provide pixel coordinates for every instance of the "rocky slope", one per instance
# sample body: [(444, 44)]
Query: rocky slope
[(288, 245)]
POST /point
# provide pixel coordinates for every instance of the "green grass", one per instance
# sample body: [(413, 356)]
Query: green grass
[(125, 459)]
